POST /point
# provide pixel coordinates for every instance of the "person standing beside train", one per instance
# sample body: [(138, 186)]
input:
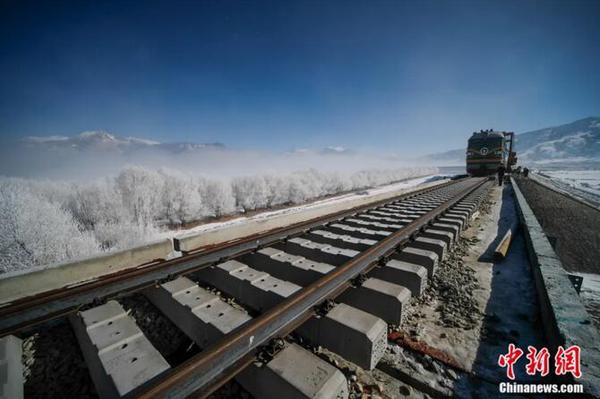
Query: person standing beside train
[(501, 171)]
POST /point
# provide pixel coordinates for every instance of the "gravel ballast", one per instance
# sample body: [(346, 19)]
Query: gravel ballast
[(571, 226)]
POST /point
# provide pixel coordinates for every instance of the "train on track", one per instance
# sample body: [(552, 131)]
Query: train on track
[(487, 150)]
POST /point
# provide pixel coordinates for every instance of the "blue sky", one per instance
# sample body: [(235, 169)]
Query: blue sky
[(404, 77)]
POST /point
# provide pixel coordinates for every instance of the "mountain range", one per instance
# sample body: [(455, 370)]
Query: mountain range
[(576, 141), (108, 142), (572, 143), (104, 141)]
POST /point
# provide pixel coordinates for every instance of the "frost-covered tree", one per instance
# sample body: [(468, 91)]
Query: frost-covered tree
[(125, 234), (278, 190), (44, 222), (141, 191), (306, 185), (337, 183), (57, 192), (180, 200), (35, 231), (97, 203), (250, 192), (218, 197)]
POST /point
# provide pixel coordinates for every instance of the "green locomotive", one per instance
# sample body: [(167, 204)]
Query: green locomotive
[(487, 150)]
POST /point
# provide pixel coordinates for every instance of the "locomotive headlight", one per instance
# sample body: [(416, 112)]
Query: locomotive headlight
[(484, 151)]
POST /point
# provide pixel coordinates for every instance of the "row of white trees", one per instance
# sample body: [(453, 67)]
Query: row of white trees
[(46, 222)]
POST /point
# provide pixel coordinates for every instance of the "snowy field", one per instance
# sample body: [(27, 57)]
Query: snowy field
[(582, 182), (590, 293)]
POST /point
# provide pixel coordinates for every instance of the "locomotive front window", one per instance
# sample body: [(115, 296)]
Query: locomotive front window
[(487, 142)]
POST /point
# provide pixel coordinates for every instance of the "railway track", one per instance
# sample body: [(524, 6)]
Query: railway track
[(335, 282)]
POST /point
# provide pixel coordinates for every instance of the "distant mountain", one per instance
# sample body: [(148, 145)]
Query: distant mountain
[(571, 143), (332, 150), (337, 150), (574, 142), (104, 141), (108, 142)]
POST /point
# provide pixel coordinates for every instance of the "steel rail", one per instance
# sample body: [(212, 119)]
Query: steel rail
[(30, 311), (199, 372)]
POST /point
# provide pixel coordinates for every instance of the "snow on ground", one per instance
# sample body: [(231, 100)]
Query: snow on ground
[(584, 180), (480, 336), (590, 293), (558, 148), (316, 204)]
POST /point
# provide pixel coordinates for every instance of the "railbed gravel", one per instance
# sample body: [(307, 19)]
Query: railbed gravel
[(53, 364), (171, 342), (572, 225), (452, 288), (231, 390)]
